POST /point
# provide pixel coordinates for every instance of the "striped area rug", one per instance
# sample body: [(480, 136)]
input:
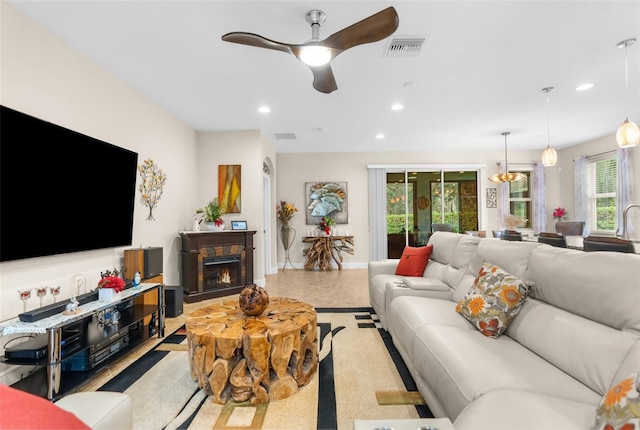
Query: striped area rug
[(360, 376)]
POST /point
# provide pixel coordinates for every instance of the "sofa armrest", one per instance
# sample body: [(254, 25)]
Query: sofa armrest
[(100, 409), (387, 267)]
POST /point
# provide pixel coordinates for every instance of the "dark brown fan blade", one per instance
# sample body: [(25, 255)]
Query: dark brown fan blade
[(323, 79), (256, 40), (372, 29)]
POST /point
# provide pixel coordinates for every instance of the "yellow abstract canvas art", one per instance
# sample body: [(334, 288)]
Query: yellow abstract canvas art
[(229, 187)]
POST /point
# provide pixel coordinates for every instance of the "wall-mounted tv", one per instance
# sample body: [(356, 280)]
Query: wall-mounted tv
[(61, 191)]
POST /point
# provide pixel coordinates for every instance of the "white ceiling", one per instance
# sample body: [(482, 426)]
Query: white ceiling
[(479, 73)]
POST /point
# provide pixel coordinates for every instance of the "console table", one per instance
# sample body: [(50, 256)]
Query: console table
[(54, 325), (323, 249)]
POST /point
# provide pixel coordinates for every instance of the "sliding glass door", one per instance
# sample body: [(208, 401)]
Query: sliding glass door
[(418, 199)]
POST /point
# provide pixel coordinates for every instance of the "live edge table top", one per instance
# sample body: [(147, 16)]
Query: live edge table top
[(261, 358)]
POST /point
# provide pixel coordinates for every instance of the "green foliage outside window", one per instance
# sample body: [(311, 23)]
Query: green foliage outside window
[(395, 223)]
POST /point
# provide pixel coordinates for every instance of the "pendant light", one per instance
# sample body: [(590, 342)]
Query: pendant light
[(628, 134), (549, 155), (507, 176)]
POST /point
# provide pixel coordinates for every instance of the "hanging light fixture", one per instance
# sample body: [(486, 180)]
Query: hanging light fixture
[(506, 176), (549, 155), (628, 134)]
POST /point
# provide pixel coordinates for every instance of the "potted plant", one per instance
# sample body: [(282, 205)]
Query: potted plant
[(212, 215), (325, 225)]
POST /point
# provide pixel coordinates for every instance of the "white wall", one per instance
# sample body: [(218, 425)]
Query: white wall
[(249, 149), (41, 76)]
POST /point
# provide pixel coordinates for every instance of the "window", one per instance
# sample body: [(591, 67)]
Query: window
[(602, 194), (520, 198)]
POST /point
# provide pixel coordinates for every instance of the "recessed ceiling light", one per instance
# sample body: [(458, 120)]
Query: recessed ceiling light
[(264, 109), (397, 106), (584, 87), (379, 136)]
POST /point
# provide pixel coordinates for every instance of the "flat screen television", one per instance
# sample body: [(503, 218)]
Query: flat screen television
[(61, 191)]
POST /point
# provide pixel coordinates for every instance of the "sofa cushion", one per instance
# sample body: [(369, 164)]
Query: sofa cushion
[(620, 406), (414, 260), (523, 410), (407, 314), (600, 286), (463, 365), (493, 301)]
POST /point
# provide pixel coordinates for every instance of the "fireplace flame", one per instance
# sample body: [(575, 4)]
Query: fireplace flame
[(226, 277)]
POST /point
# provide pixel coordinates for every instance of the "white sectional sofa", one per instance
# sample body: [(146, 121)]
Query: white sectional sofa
[(575, 337)]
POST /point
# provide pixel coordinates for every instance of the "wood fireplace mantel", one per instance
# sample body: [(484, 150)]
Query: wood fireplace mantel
[(197, 246)]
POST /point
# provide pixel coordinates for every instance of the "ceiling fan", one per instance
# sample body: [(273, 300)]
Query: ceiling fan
[(316, 53)]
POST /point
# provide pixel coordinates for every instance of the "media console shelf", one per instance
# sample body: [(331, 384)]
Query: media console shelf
[(92, 347)]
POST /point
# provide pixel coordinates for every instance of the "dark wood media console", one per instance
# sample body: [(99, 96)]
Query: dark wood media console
[(216, 263)]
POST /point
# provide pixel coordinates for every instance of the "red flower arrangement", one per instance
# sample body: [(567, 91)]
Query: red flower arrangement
[(325, 224), (114, 282), (559, 214)]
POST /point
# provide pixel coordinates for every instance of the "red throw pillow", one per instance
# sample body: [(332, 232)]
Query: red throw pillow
[(414, 260), (21, 410)]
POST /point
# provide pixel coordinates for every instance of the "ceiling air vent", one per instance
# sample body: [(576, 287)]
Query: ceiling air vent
[(404, 46), (284, 136)]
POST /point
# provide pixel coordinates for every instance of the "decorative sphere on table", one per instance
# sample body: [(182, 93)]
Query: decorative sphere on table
[(253, 300)]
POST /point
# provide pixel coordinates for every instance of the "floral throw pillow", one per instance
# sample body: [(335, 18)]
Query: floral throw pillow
[(494, 299), (620, 406)]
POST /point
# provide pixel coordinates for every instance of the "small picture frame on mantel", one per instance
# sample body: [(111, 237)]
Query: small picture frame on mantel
[(238, 225)]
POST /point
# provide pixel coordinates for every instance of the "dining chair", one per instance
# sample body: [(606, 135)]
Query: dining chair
[(553, 239), (511, 235), (570, 228), (605, 243), (441, 227)]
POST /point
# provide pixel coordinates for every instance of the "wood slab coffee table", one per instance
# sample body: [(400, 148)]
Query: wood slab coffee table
[(261, 358)]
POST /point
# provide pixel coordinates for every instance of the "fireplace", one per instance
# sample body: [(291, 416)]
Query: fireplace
[(221, 267), (216, 264), (221, 272)]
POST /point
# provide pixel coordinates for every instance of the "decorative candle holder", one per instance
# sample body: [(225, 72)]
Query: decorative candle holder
[(24, 296), (80, 282), (41, 292), (55, 291)]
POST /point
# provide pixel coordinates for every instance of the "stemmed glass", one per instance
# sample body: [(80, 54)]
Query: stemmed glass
[(80, 281), (24, 296), (54, 292), (41, 292)]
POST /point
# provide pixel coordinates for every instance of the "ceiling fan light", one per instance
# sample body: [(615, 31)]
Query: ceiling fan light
[(628, 134), (549, 157), (315, 55)]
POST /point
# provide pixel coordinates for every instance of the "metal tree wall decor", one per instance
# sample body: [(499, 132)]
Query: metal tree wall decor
[(153, 179)]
